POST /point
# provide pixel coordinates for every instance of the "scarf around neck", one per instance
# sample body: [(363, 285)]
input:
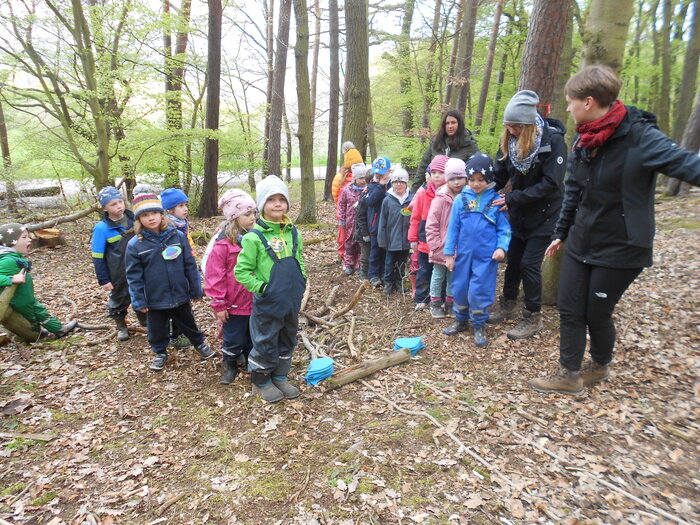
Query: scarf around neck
[(523, 164), (180, 224), (594, 134)]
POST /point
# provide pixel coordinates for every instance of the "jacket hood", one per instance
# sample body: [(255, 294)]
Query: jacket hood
[(4, 250), (555, 126), (235, 248), (268, 226)]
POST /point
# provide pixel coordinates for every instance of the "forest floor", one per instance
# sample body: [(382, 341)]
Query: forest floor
[(88, 434)]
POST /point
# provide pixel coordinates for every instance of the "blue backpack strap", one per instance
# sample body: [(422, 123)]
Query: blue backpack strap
[(268, 248), (465, 204)]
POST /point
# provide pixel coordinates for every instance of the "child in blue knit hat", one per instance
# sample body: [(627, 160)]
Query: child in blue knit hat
[(109, 239)]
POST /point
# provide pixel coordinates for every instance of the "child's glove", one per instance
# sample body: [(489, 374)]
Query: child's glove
[(365, 238)]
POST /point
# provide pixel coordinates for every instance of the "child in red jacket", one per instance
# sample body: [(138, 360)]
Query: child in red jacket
[(416, 232), (231, 302)]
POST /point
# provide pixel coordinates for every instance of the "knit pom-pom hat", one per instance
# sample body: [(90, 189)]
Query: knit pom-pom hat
[(146, 202)]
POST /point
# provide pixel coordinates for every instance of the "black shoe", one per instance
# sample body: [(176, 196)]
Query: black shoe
[(230, 372), (158, 362), (66, 329), (205, 351), (456, 327)]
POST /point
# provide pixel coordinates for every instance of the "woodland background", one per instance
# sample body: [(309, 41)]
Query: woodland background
[(192, 94)]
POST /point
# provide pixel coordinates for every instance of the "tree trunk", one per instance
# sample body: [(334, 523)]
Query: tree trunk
[(567, 58), (7, 163), (288, 135), (606, 31), (635, 50), (371, 141), (666, 59), (489, 66), (270, 42), (499, 83), (314, 65), (462, 79), (357, 74), (274, 143), (210, 187), (691, 141), (307, 214), (333, 99), (543, 48), (453, 57), (404, 60), (430, 95), (690, 72), (650, 101)]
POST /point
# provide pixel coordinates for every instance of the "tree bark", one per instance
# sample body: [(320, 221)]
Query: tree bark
[(606, 32), (489, 66), (274, 144), (357, 73), (430, 95), (7, 163), (288, 135), (270, 43), (690, 72), (314, 65), (453, 57), (666, 59), (500, 79), (210, 187), (333, 98), (567, 58), (691, 141), (404, 59), (307, 214), (462, 78)]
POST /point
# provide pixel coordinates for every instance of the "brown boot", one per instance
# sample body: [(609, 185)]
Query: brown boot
[(529, 325), (504, 310), (593, 372), (563, 382)]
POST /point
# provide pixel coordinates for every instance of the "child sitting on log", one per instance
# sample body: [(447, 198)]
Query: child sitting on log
[(14, 269)]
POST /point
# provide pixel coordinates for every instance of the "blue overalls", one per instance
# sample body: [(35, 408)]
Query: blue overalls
[(274, 321), (476, 230)]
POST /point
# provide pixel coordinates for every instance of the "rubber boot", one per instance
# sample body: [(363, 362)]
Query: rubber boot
[(563, 382), (143, 318), (66, 329), (288, 390), (480, 337), (504, 310), (456, 327), (230, 372), (593, 372), (388, 288), (262, 386), (122, 330), (529, 325)]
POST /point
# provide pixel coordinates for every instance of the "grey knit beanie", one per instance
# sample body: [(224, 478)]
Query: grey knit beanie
[(521, 108), (269, 186)]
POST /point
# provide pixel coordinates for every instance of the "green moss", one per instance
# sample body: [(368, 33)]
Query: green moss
[(415, 501), (19, 386), (20, 443), (111, 373), (438, 415), (273, 486), (365, 487), (687, 223), (13, 489), (45, 498)]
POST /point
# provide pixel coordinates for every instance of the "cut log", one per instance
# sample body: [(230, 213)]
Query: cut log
[(51, 223), (13, 321), (50, 237), (366, 368)]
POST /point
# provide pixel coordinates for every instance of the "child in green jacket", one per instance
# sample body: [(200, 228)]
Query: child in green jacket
[(14, 269), (271, 266)]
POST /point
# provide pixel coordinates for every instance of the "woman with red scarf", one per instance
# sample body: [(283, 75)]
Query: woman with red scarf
[(606, 221)]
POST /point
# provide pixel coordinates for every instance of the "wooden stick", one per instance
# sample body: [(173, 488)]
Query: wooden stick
[(353, 350), (353, 302), (318, 320), (366, 368), (317, 240), (66, 218), (329, 302), (170, 502), (313, 352), (305, 297), (33, 437)]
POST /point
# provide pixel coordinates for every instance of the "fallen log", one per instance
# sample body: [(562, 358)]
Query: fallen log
[(48, 191), (13, 321), (367, 368), (65, 218), (33, 437)]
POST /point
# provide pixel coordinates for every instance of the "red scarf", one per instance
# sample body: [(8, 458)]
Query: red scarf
[(594, 134)]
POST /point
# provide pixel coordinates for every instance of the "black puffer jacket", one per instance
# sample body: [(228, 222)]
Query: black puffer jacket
[(534, 201), (466, 150), (607, 218)]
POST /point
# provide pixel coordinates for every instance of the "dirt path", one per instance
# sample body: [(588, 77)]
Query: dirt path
[(465, 440)]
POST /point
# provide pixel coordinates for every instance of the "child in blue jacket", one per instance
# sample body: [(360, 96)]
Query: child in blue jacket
[(478, 237), (163, 278), (109, 239), (376, 191)]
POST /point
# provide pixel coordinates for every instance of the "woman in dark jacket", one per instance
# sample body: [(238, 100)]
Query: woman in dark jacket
[(531, 162), (607, 220), (452, 139)]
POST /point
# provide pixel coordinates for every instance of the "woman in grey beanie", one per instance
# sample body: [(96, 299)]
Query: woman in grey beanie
[(531, 162)]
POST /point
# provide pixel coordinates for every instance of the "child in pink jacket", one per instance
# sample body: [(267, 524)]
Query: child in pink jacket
[(231, 302), (436, 233), (347, 206)]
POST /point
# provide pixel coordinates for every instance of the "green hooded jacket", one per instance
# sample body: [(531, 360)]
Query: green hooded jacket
[(254, 264)]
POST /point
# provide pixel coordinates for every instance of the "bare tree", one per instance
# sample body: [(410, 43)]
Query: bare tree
[(489, 65), (357, 74), (691, 141), (404, 57), (333, 99), (274, 142)]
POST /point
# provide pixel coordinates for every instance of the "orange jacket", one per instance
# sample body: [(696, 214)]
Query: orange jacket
[(342, 179)]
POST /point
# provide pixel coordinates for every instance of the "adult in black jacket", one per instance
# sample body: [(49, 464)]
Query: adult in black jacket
[(531, 162), (607, 220), (452, 139)]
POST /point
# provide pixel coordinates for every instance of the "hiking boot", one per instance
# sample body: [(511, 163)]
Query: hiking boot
[(180, 342), (388, 288), (288, 390), (205, 351), (348, 270), (480, 337), (593, 372), (504, 310), (447, 308), (143, 318), (529, 325), (563, 382), (122, 330), (66, 329), (230, 372), (375, 281), (159, 361), (268, 392), (436, 311), (456, 327), (420, 307)]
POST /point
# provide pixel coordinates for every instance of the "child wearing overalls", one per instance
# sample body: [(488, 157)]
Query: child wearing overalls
[(271, 266)]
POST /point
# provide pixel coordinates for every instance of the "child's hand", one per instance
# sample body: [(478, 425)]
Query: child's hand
[(450, 262), (222, 316), (108, 287), (498, 255), (20, 277)]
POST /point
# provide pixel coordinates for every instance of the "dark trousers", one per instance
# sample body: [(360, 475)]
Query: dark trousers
[(364, 257), (587, 298), (119, 300), (274, 338), (525, 264), (395, 266), (377, 255), (237, 340), (425, 273), (159, 326)]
